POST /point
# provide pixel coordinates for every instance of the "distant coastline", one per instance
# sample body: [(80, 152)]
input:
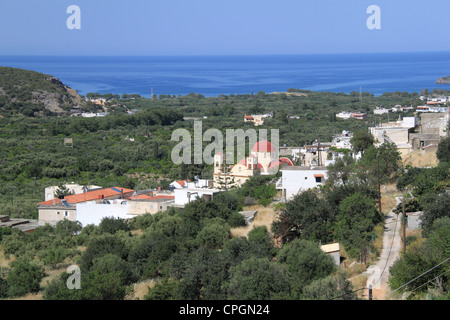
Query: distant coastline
[(443, 80), (216, 75)]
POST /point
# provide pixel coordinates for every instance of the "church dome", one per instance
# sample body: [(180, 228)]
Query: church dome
[(263, 146)]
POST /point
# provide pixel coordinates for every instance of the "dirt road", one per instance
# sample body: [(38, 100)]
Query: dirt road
[(379, 273)]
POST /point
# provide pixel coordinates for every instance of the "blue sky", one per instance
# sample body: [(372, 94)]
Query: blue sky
[(219, 27)]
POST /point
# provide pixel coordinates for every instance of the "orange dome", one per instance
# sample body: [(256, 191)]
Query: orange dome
[(263, 146)]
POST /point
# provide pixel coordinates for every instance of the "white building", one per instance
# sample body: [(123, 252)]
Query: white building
[(334, 251), (94, 211), (295, 180), (93, 115), (198, 183), (184, 196), (344, 115), (379, 110)]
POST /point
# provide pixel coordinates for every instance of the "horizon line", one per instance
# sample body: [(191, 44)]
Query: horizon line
[(221, 55)]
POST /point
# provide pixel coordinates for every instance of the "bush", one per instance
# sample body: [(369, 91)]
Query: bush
[(214, 234), (258, 279), (265, 194), (25, 277), (166, 289), (101, 246), (111, 263), (4, 231), (4, 288), (112, 225), (443, 151)]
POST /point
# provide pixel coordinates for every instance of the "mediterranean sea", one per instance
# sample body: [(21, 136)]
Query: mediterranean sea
[(214, 75)]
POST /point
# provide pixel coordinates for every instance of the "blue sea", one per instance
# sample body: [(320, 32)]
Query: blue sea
[(214, 75)]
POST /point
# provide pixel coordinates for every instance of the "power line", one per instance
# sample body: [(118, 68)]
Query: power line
[(418, 276), (429, 281)]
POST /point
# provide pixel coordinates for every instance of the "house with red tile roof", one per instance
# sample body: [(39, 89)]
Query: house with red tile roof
[(54, 210), (179, 183)]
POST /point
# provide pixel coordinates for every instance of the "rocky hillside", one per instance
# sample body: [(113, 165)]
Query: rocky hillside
[(29, 93), (443, 80)]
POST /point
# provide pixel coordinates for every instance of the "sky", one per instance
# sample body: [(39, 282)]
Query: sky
[(221, 27)]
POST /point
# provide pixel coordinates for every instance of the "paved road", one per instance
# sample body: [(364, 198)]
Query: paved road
[(379, 273)]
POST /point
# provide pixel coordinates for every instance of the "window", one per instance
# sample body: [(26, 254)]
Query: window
[(318, 178), (66, 213)]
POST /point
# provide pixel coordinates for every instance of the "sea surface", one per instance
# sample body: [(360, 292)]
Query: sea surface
[(214, 75)]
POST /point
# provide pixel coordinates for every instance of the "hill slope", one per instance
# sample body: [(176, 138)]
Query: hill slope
[(26, 92), (443, 80)]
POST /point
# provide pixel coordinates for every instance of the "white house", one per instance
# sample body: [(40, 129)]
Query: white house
[(295, 180), (379, 110), (179, 184), (93, 212), (184, 196), (344, 115)]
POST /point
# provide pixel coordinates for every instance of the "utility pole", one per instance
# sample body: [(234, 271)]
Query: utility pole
[(379, 188), (404, 225), (319, 162)]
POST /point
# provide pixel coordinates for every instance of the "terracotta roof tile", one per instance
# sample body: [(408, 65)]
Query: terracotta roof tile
[(89, 196)]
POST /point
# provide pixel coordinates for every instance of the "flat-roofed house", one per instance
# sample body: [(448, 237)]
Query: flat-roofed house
[(142, 204), (334, 251), (295, 180)]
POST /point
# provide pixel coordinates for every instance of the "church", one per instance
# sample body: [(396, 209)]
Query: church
[(262, 159)]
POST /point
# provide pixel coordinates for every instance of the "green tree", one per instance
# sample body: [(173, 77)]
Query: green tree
[(341, 170), (62, 191), (4, 288), (421, 267), (112, 225), (214, 233), (306, 216), (332, 287), (362, 140), (435, 207), (355, 223), (261, 244), (166, 289), (443, 150), (258, 279), (102, 286), (305, 262), (111, 263), (68, 228), (101, 246), (25, 277), (265, 194)]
